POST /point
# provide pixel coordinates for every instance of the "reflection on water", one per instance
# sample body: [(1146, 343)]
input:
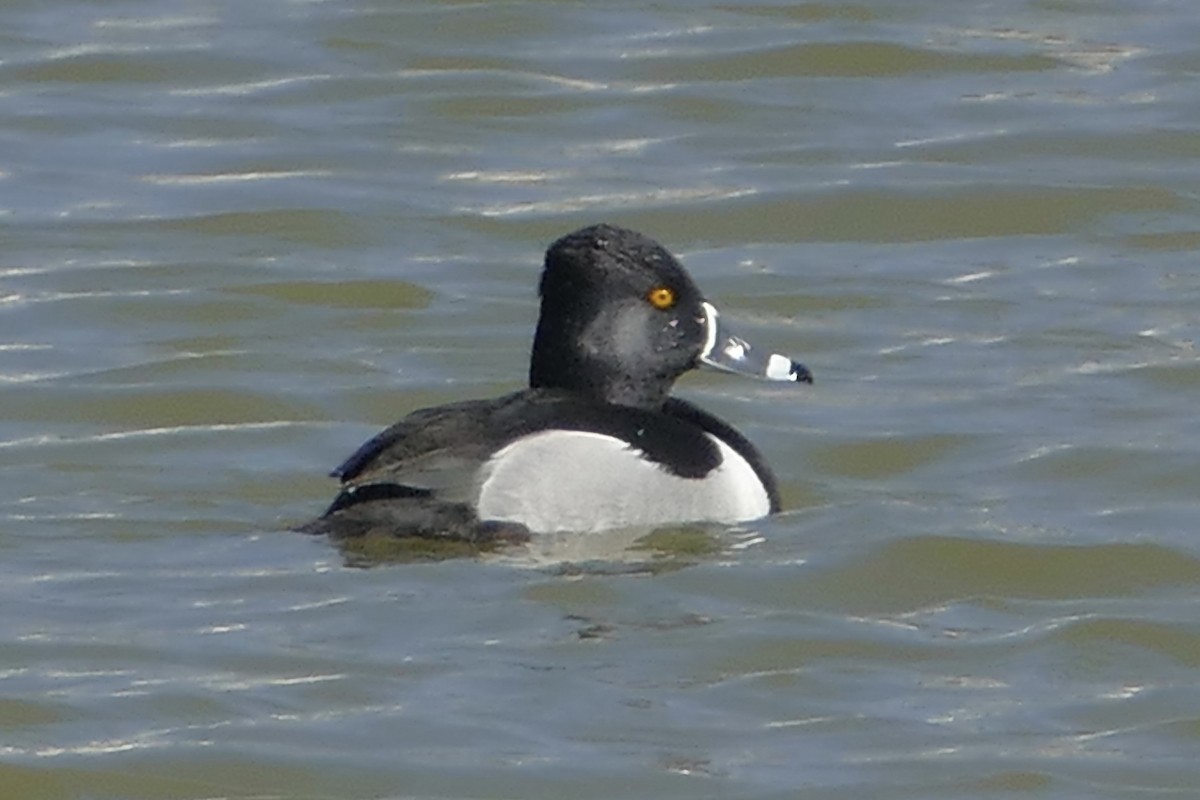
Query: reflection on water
[(239, 240)]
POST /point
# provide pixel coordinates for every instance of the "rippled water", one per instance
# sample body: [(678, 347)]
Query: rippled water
[(239, 238)]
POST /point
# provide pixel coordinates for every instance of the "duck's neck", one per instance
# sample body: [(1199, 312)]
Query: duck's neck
[(593, 381)]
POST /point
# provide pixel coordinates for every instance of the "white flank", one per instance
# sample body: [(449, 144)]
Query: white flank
[(580, 481)]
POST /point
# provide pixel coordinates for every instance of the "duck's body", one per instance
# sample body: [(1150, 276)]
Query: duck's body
[(595, 442)]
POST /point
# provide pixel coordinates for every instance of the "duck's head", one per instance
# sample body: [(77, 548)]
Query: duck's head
[(621, 320)]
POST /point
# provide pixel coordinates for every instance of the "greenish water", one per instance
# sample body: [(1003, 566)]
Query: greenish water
[(238, 239)]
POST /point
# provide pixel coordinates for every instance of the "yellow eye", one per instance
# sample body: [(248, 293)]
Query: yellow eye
[(661, 297)]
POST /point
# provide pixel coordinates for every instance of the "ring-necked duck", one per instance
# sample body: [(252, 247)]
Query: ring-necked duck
[(595, 442)]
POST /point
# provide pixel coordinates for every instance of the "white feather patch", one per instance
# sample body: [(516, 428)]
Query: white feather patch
[(581, 481)]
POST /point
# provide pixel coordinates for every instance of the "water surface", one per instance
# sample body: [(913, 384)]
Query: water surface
[(240, 238)]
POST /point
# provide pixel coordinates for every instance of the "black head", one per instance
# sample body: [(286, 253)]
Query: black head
[(620, 319)]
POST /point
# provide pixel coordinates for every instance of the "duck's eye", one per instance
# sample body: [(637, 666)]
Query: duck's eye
[(661, 297)]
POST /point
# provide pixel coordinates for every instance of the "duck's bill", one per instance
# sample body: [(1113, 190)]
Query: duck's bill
[(725, 350)]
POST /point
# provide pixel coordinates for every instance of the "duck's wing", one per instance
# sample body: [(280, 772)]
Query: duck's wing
[(437, 449), (417, 477)]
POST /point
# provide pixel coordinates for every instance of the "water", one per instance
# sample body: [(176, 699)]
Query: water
[(240, 238)]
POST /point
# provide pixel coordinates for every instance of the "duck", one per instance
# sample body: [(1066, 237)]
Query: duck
[(596, 441)]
